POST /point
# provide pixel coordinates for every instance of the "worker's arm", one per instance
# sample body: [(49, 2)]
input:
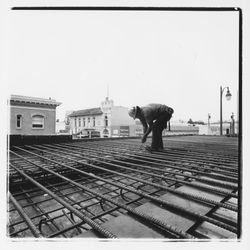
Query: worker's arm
[(147, 131), (144, 124)]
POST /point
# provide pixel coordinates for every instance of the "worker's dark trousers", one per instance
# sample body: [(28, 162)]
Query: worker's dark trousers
[(157, 129)]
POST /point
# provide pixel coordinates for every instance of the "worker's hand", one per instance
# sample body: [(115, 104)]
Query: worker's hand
[(143, 139)]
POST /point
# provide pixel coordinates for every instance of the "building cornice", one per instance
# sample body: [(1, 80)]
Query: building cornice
[(48, 108), (21, 100)]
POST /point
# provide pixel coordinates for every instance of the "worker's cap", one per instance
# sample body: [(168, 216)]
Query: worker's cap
[(133, 112), (170, 110)]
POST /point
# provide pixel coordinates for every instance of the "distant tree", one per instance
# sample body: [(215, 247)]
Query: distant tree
[(190, 121), (199, 122)]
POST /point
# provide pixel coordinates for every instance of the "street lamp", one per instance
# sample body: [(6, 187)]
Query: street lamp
[(228, 97), (232, 124)]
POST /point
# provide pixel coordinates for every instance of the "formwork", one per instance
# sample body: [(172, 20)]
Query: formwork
[(117, 189)]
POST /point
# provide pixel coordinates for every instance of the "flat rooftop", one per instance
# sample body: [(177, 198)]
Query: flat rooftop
[(116, 189)]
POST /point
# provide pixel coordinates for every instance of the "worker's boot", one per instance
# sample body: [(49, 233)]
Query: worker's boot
[(151, 149)]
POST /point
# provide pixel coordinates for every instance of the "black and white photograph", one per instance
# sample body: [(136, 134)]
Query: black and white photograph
[(123, 122)]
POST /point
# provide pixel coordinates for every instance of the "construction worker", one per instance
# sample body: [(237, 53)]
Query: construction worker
[(154, 117)]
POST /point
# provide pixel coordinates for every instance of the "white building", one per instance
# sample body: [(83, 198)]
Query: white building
[(214, 129), (104, 121)]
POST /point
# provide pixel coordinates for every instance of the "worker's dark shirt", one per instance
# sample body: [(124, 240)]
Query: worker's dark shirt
[(153, 111)]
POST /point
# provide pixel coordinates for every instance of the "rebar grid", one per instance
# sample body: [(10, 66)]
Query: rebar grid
[(67, 189)]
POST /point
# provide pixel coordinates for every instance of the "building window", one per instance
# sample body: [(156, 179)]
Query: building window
[(19, 121), (93, 121), (84, 122), (106, 121), (37, 121), (79, 122), (75, 122), (88, 120)]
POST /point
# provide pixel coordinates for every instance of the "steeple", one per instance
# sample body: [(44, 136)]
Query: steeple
[(107, 97), (107, 105)]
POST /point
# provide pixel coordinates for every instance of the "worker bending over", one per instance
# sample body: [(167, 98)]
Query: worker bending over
[(154, 117)]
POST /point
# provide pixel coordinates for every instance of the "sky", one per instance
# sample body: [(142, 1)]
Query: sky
[(172, 57)]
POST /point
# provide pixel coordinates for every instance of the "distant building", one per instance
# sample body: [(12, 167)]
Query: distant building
[(32, 115), (62, 128), (104, 121), (214, 129)]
